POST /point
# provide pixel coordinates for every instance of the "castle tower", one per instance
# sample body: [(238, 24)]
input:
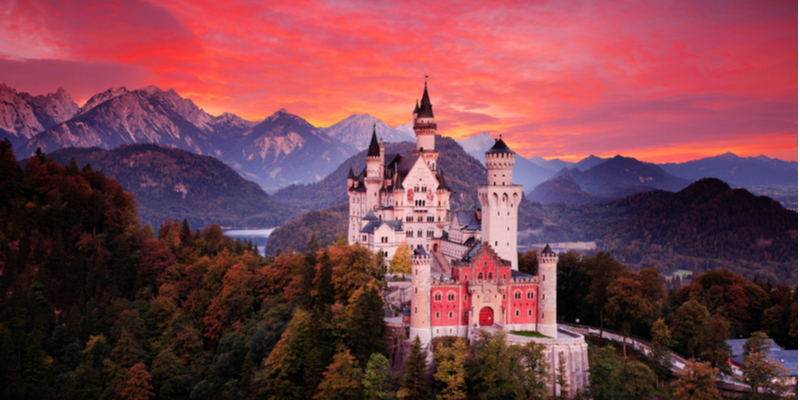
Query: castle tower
[(421, 297), (548, 260), (500, 199), (375, 168), (425, 129)]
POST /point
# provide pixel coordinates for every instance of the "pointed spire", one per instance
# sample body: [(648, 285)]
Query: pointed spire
[(374, 148), (416, 108), (547, 250), (351, 175), (425, 107)]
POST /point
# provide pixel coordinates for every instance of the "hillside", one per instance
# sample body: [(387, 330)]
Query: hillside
[(561, 189), (174, 183), (462, 174), (326, 226)]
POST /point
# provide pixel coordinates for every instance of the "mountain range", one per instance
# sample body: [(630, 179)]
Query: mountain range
[(740, 171), (22, 116), (356, 130), (178, 184)]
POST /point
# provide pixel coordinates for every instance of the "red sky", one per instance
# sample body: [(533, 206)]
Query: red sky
[(659, 80)]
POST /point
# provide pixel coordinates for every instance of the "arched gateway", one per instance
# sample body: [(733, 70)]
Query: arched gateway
[(486, 316)]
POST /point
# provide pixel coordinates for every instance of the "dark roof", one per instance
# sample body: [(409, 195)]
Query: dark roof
[(420, 251), (351, 175), (406, 163), (471, 252), (499, 147), (416, 107), (468, 219), (374, 148), (469, 242), (425, 107), (517, 275), (370, 216), (442, 183), (547, 250), (371, 226), (737, 346)]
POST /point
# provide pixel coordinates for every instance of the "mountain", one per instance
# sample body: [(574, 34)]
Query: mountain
[(751, 171), (551, 165), (324, 225), (356, 131), (462, 173), (623, 176), (526, 173), (22, 116), (562, 188), (174, 183), (119, 116), (279, 151), (588, 163), (285, 149)]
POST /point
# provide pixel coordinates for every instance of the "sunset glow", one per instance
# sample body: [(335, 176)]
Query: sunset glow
[(660, 81)]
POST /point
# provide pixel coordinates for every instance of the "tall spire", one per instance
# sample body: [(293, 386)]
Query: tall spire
[(425, 107), (374, 148)]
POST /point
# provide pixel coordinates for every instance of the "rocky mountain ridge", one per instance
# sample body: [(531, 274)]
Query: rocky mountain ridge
[(22, 115)]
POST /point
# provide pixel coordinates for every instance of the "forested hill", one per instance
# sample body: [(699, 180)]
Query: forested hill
[(462, 173), (175, 183)]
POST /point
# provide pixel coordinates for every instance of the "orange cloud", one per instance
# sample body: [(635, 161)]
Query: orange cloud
[(664, 81)]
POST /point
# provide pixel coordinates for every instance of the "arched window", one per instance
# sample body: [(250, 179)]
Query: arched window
[(437, 297), (451, 297), (517, 295), (490, 276), (530, 295), (530, 313), (516, 313), (450, 314), (480, 275), (437, 315)]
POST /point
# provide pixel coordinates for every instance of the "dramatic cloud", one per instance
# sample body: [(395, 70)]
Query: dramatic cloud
[(660, 81)]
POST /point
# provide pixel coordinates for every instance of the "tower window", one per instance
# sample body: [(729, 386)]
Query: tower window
[(450, 314), (437, 297), (517, 296), (530, 313), (516, 313), (530, 295), (437, 316)]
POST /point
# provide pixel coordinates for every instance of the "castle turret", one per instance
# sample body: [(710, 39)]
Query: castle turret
[(425, 129), (421, 296), (500, 199), (548, 260), (374, 177)]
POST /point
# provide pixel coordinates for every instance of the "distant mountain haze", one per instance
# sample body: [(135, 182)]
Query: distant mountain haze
[(525, 173), (356, 131), (740, 171)]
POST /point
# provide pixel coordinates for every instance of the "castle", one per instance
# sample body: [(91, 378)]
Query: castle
[(464, 273)]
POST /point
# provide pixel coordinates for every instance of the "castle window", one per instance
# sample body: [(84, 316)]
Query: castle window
[(504, 276), (542, 315), (465, 314), (517, 295), (415, 310), (415, 290), (465, 278), (451, 297), (516, 313), (504, 296), (430, 234), (450, 314), (480, 275), (542, 277), (495, 243), (409, 218), (530, 313), (437, 297), (490, 276), (437, 317), (542, 296), (410, 234), (530, 295), (419, 233)]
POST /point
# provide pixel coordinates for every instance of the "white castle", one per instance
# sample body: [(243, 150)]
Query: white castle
[(464, 274)]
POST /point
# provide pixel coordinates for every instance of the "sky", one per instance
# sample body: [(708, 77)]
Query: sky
[(661, 81)]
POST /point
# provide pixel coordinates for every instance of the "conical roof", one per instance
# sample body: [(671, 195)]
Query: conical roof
[(370, 216), (416, 107), (351, 175), (374, 148), (425, 107), (499, 147), (547, 250)]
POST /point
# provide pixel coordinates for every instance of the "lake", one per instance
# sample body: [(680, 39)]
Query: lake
[(258, 236)]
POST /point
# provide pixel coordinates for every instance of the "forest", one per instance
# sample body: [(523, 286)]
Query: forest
[(95, 305)]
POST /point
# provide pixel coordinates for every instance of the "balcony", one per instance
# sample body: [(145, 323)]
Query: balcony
[(423, 125)]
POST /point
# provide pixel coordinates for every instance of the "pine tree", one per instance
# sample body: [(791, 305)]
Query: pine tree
[(364, 325), (342, 379), (561, 377), (377, 382), (451, 370), (136, 385), (414, 386)]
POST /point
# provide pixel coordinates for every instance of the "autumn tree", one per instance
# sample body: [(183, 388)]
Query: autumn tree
[(342, 379), (286, 361), (495, 367), (136, 385), (696, 382), (451, 370), (603, 269), (401, 260), (689, 325), (377, 381), (414, 386), (659, 357), (534, 372), (763, 374), (627, 305), (714, 348)]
